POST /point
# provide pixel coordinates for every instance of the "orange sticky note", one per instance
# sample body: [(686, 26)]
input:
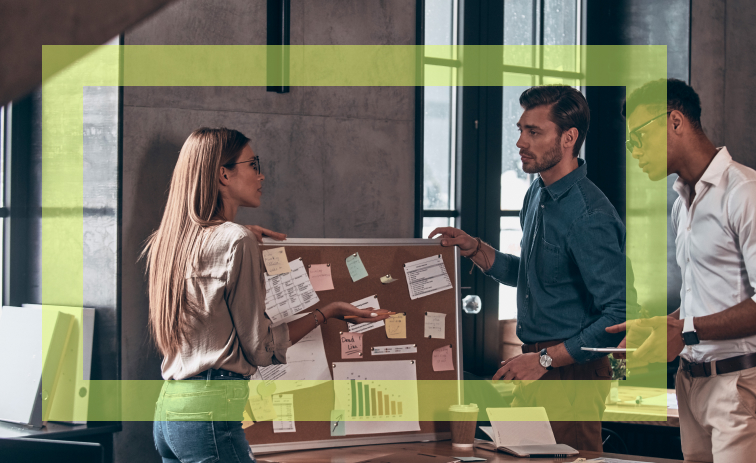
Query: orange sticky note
[(442, 359), (351, 345), (320, 277)]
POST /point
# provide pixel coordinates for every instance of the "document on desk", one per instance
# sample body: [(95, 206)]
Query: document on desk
[(427, 276), (284, 406), (370, 302), (289, 293), (306, 364)]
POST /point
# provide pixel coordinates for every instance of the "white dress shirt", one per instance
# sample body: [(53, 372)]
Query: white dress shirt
[(716, 249)]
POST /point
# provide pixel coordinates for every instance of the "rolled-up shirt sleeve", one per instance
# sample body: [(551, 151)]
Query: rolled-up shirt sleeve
[(261, 343), (596, 243), (504, 269), (741, 211)]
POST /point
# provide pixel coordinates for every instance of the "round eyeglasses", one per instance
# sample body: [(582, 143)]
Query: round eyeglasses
[(634, 138)]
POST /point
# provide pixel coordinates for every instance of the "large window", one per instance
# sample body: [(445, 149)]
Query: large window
[(520, 22)]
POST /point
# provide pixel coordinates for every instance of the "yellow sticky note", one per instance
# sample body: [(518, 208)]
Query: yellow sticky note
[(276, 262), (396, 326), (262, 407)]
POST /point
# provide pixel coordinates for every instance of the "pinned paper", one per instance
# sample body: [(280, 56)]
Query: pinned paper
[(426, 276), (288, 294), (396, 326), (388, 279), (435, 324), (351, 345), (387, 350), (320, 277), (370, 302), (338, 425), (275, 261), (442, 359), (261, 408), (284, 406), (356, 268)]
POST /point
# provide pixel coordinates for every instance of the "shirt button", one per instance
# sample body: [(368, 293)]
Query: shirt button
[(542, 206), (527, 296), (687, 260), (688, 228), (519, 326), (688, 290)]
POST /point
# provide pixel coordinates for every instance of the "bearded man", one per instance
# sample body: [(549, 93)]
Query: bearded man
[(570, 275)]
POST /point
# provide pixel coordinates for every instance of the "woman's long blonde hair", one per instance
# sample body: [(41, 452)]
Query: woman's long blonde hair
[(193, 204)]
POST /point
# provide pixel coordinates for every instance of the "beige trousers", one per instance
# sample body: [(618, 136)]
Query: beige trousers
[(718, 416)]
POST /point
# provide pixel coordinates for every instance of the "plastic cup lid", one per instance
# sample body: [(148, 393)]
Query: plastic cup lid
[(464, 408)]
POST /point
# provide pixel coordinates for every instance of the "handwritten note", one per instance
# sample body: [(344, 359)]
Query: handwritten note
[(396, 326), (442, 359), (356, 268), (320, 277), (370, 302), (351, 345), (284, 406), (262, 407), (435, 324), (276, 262)]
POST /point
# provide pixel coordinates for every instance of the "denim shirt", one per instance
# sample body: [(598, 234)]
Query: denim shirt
[(570, 277)]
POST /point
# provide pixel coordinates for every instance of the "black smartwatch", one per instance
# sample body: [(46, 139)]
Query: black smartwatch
[(545, 360), (690, 338)]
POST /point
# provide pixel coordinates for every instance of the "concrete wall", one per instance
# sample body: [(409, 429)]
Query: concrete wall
[(722, 70), (339, 162)]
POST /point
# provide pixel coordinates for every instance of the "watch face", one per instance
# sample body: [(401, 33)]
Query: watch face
[(545, 361), (690, 338)]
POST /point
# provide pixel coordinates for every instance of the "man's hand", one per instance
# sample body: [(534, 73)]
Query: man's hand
[(525, 367), (653, 336), (260, 232), (456, 237)]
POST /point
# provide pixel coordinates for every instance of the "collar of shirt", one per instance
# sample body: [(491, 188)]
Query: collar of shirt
[(563, 185), (712, 175)]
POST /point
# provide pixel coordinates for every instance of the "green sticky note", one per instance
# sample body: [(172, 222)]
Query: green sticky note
[(356, 269), (338, 426)]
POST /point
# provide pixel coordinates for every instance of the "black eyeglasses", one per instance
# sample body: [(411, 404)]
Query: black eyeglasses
[(254, 162), (635, 138)]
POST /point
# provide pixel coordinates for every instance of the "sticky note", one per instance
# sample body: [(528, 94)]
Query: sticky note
[(351, 345), (356, 269), (396, 326), (435, 324), (261, 407), (442, 359), (338, 425), (387, 279), (320, 277), (276, 262)]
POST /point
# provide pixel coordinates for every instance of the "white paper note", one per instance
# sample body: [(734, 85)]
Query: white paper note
[(306, 364), (435, 324), (284, 407), (388, 350), (289, 293), (426, 276), (358, 382), (368, 302)]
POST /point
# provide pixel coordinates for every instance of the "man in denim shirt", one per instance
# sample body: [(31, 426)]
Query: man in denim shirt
[(570, 276)]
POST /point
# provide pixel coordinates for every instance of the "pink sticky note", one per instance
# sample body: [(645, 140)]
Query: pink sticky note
[(320, 277), (351, 345), (442, 359)]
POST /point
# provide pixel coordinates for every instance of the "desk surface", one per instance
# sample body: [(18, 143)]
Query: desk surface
[(627, 411), (357, 454), (58, 430)]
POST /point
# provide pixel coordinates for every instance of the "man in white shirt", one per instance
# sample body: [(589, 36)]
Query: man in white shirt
[(714, 219)]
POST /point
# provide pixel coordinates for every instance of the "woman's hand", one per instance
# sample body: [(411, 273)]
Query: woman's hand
[(260, 232), (455, 237), (342, 309)]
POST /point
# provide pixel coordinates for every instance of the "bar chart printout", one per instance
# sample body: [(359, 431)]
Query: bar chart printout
[(377, 397)]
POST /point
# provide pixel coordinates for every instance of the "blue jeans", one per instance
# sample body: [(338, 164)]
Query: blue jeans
[(198, 421)]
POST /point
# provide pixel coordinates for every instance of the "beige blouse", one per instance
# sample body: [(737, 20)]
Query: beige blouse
[(227, 324)]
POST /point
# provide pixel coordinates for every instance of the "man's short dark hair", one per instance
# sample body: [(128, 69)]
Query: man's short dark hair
[(680, 97), (568, 109)]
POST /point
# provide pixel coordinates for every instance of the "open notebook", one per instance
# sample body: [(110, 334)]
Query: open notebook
[(523, 432)]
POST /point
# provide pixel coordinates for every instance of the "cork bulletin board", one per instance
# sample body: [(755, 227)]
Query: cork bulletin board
[(380, 257)]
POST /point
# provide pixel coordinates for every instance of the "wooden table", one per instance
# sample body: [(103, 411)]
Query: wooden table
[(357, 454)]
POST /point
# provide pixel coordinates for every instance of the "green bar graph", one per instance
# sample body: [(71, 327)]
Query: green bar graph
[(359, 398), (386, 403), (367, 400), (393, 407), (380, 403), (354, 399), (399, 405), (372, 402)]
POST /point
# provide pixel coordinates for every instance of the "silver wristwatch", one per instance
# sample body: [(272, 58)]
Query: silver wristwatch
[(545, 360)]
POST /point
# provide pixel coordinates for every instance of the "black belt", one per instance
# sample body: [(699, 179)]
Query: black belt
[(218, 374), (528, 348), (741, 362)]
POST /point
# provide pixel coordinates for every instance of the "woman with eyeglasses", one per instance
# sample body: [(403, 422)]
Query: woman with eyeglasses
[(207, 301)]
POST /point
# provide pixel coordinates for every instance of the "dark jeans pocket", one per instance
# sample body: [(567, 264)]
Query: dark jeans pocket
[(191, 436)]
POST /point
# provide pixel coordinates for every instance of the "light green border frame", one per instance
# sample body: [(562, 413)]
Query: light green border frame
[(68, 69)]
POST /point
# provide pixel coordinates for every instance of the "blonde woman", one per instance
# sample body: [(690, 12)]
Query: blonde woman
[(207, 301)]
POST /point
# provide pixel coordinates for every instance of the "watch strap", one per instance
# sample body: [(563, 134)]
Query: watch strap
[(688, 325)]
